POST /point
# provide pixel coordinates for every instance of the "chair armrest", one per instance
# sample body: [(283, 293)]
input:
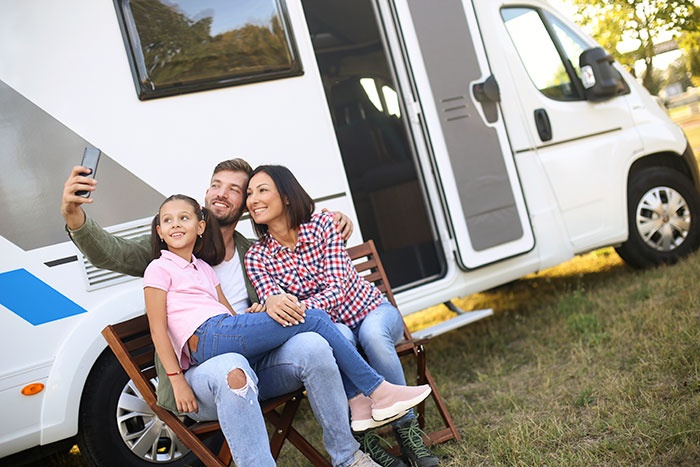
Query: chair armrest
[(408, 344)]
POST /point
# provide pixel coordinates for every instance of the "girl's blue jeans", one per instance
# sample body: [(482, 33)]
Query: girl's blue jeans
[(254, 334), (376, 335)]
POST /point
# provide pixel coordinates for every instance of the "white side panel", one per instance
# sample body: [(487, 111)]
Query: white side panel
[(71, 61)]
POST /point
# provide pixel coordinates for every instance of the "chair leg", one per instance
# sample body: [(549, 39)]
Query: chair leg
[(451, 431), (283, 429), (307, 449), (282, 423), (421, 367), (424, 377), (225, 453)]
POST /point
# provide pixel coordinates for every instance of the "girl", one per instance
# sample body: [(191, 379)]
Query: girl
[(300, 253), (191, 320)]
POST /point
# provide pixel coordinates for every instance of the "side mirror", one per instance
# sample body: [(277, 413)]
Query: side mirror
[(600, 79)]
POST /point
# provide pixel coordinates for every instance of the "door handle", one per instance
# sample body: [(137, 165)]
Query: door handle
[(544, 128), (488, 94), (487, 91)]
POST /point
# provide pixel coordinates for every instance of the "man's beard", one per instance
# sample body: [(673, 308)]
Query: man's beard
[(230, 218)]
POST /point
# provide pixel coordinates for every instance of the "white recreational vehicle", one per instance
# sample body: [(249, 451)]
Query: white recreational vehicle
[(475, 141)]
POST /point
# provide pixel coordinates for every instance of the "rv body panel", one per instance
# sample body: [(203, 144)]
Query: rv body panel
[(583, 157)]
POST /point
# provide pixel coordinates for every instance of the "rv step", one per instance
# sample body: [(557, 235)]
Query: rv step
[(458, 321)]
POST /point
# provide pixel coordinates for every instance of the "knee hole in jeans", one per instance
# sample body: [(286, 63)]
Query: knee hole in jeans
[(239, 381)]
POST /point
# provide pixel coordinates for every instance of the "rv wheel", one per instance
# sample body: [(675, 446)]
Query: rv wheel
[(663, 212), (117, 427)]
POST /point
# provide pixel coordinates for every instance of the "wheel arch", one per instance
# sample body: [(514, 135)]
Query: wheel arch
[(66, 382), (684, 163)]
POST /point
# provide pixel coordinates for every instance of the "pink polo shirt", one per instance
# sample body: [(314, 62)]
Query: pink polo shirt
[(191, 297)]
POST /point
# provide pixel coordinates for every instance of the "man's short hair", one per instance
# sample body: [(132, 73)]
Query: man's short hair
[(233, 165)]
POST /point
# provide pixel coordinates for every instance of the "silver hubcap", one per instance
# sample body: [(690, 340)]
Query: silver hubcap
[(143, 432), (663, 218)]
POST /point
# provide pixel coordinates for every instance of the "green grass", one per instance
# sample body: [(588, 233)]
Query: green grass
[(693, 134), (592, 370), (688, 117)]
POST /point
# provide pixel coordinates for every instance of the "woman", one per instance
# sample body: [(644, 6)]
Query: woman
[(301, 258)]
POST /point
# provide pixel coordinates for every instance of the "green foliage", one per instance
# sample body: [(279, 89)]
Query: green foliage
[(678, 72), (614, 21), (689, 42), (176, 48)]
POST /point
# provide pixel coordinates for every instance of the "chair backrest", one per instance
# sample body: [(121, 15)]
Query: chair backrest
[(132, 344), (367, 262)]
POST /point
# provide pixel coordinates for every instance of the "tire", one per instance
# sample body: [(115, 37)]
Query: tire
[(117, 428), (663, 216)]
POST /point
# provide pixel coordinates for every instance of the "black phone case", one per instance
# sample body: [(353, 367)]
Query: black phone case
[(91, 157)]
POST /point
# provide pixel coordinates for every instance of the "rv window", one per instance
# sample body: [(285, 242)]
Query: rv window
[(392, 101), (548, 50), (386, 103), (179, 46)]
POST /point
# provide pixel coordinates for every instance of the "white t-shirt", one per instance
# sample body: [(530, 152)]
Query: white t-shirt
[(230, 275)]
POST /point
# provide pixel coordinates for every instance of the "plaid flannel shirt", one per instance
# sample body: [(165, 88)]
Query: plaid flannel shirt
[(318, 272)]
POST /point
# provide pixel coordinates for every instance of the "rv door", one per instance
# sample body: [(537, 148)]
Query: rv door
[(460, 101)]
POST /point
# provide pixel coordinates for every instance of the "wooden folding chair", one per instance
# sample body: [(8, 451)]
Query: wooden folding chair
[(131, 343), (369, 265)]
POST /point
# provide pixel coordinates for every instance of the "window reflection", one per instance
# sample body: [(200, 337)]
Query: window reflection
[(389, 97), (370, 88), (188, 45), (572, 44), (392, 101), (538, 53)]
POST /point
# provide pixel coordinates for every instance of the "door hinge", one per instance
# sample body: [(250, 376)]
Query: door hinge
[(413, 110)]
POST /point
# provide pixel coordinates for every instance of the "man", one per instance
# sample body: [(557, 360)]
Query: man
[(306, 359)]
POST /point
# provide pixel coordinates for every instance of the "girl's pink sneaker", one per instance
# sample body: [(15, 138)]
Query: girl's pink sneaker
[(389, 399)]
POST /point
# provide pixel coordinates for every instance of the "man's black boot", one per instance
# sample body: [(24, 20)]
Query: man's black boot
[(410, 438), (371, 443)]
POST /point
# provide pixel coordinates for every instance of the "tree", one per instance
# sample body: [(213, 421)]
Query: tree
[(689, 42), (615, 21), (677, 73), (177, 48)]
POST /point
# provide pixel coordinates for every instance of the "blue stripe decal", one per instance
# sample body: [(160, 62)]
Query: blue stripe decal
[(33, 300)]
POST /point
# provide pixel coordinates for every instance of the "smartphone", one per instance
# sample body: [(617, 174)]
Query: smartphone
[(91, 156)]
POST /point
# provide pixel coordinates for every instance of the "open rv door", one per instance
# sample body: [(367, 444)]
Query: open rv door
[(460, 102)]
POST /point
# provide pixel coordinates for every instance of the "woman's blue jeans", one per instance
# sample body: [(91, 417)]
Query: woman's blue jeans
[(254, 334)]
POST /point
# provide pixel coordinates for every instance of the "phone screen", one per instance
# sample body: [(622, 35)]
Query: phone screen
[(91, 156)]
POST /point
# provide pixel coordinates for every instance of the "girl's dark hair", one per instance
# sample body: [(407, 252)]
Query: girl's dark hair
[(208, 247), (300, 206)]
